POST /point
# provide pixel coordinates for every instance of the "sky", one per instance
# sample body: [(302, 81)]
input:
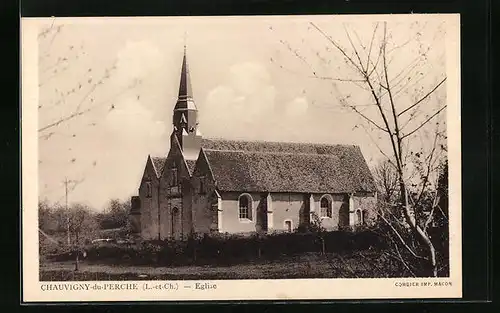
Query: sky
[(253, 78)]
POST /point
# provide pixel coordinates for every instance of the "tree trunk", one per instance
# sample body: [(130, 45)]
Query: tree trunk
[(424, 238), (323, 248), (432, 251)]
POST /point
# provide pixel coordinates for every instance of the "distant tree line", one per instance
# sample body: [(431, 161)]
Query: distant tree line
[(80, 223)]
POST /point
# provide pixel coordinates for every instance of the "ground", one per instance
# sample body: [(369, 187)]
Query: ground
[(311, 265)]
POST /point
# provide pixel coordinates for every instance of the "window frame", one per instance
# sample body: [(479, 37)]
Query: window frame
[(328, 209), (359, 217), (364, 215), (174, 177), (248, 208), (202, 189), (149, 189)]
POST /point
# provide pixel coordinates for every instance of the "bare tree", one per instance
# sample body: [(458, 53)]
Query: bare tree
[(386, 180), (70, 89), (81, 221), (81, 97), (403, 109)]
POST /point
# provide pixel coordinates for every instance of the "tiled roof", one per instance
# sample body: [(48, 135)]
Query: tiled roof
[(287, 167), (158, 165), (190, 165), (270, 146)]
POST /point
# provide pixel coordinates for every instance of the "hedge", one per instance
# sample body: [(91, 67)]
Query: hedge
[(228, 249)]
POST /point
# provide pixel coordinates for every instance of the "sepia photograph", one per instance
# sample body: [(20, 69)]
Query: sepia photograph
[(214, 150)]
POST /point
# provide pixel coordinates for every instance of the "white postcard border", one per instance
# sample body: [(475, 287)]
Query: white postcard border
[(285, 289)]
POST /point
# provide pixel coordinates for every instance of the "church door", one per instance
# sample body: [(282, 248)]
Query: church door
[(175, 223)]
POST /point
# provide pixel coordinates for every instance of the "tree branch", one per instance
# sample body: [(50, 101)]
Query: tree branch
[(76, 114), (355, 51), (336, 45), (337, 79), (429, 165), (393, 107), (371, 44), (401, 257), (401, 238), (425, 122), (422, 99), (431, 214)]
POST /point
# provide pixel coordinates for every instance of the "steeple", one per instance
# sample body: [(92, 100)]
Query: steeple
[(185, 115), (185, 90)]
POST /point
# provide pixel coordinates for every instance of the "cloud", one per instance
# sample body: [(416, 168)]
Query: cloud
[(248, 78), (110, 154), (245, 101), (133, 121), (137, 60), (246, 107), (297, 107)]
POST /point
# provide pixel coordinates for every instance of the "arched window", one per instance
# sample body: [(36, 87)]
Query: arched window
[(245, 206), (359, 217), (202, 185), (148, 189), (364, 215), (174, 179), (325, 206)]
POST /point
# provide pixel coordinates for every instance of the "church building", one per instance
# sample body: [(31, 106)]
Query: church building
[(206, 185)]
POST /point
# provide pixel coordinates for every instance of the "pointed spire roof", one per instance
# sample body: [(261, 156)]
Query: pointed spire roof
[(185, 91)]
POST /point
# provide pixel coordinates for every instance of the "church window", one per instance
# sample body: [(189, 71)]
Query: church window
[(202, 185), (288, 226), (326, 206), (174, 179), (245, 206), (148, 189), (359, 217)]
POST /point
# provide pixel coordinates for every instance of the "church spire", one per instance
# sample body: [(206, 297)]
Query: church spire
[(185, 115), (185, 90)]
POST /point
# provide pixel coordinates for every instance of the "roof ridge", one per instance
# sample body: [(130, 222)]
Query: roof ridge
[(272, 152), (281, 142), (224, 150)]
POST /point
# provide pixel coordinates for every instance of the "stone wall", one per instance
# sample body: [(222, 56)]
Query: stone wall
[(204, 217), (367, 203), (149, 204), (175, 201)]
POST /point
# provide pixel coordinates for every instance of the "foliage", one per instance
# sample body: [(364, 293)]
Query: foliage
[(115, 215), (231, 249), (63, 231)]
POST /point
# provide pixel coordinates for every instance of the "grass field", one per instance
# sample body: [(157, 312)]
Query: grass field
[(309, 265)]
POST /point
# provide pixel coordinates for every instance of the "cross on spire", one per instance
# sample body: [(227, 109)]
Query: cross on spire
[(185, 42)]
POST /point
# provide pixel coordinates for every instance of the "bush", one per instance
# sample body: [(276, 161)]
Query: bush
[(227, 249)]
